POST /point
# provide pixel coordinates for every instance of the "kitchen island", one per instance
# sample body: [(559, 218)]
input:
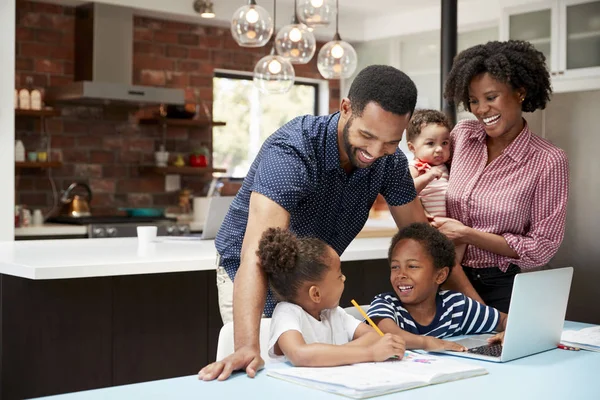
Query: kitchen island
[(81, 314)]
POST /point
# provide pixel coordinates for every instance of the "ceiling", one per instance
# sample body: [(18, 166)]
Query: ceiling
[(360, 20)]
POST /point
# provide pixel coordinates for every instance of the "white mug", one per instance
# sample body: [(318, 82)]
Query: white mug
[(146, 234), (38, 218)]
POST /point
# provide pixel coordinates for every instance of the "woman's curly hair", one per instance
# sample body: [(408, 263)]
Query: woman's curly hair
[(290, 261), (514, 62)]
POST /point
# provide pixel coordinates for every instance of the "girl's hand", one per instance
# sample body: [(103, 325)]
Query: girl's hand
[(453, 229), (388, 346), (497, 338), (435, 344), (435, 172)]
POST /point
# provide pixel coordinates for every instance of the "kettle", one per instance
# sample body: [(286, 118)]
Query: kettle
[(76, 205)]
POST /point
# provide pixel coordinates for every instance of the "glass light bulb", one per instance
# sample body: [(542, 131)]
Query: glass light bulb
[(316, 3), (316, 13), (337, 51), (295, 35), (251, 34), (274, 67), (252, 16)]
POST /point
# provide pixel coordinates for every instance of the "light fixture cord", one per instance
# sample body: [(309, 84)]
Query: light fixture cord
[(274, 26), (337, 20)]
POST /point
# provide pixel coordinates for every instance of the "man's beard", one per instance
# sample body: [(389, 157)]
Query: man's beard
[(348, 148)]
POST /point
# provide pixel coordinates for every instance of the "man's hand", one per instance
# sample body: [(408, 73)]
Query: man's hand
[(497, 338), (247, 358), (434, 344)]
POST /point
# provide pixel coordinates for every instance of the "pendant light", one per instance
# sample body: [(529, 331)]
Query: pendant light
[(204, 8), (251, 25), (315, 13), (296, 42), (337, 59), (274, 74)]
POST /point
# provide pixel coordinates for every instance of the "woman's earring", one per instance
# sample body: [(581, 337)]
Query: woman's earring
[(522, 99)]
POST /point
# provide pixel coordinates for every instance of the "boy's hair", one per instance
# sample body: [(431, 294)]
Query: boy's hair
[(436, 244), (290, 261), (514, 62), (422, 118), (387, 86)]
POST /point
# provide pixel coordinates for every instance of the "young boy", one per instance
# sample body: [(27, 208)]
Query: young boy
[(420, 260)]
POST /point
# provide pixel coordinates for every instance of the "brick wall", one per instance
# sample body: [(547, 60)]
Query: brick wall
[(102, 145)]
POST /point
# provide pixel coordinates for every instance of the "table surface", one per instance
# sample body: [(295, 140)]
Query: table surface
[(554, 374)]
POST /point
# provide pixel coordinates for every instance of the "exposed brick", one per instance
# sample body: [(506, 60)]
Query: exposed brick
[(132, 157), (144, 61), (100, 201), (34, 50), (54, 126), (24, 182), (188, 66), (63, 23), (103, 185), (29, 19), (177, 52), (49, 66), (60, 80), (33, 199), (199, 81), (68, 68), (102, 157), (102, 129), (212, 42), (152, 78), (148, 48), (62, 53), (46, 8), (166, 37), (243, 59), (220, 57), (149, 184), (138, 144), (75, 155), (176, 79), (177, 132), (24, 64), (63, 141), (199, 54), (139, 199), (116, 171), (177, 26), (113, 142), (142, 35), (189, 39), (24, 34), (89, 141), (88, 170), (77, 127), (49, 36)]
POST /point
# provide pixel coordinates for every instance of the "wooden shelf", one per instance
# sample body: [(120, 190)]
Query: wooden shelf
[(182, 170), (179, 122), (38, 164), (37, 113)]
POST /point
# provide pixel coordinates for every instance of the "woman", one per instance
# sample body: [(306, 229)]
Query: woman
[(507, 196)]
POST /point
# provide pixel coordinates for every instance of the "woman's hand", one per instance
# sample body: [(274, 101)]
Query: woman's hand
[(453, 229)]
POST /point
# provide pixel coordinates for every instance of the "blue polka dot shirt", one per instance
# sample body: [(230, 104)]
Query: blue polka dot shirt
[(298, 167)]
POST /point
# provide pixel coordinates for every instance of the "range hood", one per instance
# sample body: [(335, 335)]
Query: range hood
[(103, 62)]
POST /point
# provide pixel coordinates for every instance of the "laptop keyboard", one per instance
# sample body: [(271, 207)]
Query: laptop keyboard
[(492, 350)]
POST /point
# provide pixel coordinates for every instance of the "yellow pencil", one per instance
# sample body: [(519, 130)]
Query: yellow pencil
[(364, 314)]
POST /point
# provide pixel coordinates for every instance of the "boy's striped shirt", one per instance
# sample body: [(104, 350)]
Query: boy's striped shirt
[(456, 315)]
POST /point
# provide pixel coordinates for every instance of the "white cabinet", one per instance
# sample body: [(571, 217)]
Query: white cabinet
[(567, 32)]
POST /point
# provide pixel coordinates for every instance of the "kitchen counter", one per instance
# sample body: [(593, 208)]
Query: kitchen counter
[(51, 230), (84, 258)]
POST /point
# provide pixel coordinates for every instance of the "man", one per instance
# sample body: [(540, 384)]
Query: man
[(317, 176)]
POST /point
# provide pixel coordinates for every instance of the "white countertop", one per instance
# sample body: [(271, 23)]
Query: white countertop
[(51, 230), (82, 258)]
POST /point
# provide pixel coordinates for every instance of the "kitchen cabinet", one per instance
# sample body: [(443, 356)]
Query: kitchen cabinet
[(567, 32)]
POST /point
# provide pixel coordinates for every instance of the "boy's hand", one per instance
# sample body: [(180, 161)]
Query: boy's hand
[(388, 346), (435, 344), (497, 338)]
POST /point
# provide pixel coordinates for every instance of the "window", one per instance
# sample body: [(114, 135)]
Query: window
[(251, 117)]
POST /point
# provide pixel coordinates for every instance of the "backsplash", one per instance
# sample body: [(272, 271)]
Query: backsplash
[(103, 145)]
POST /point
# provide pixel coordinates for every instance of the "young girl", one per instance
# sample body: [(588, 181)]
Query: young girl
[(308, 327), (428, 138), (420, 260)]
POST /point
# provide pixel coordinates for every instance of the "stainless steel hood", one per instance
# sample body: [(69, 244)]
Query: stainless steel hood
[(103, 62)]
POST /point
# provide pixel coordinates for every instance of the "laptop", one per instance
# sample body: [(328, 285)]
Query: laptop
[(535, 321), (217, 209)]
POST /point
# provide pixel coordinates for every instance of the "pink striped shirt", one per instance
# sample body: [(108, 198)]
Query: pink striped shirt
[(521, 195), (433, 196)]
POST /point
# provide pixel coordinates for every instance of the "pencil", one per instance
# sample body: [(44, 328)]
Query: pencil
[(369, 320)]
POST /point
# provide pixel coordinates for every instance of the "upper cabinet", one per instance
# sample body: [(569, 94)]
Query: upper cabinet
[(567, 32)]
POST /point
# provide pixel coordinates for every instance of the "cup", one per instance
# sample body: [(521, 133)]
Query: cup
[(42, 156), (200, 207), (38, 218), (161, 158), (32, 156), (146, 234)]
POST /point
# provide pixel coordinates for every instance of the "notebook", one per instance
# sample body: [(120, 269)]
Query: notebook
[(361, 381), (587, 338), (535, 321)]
